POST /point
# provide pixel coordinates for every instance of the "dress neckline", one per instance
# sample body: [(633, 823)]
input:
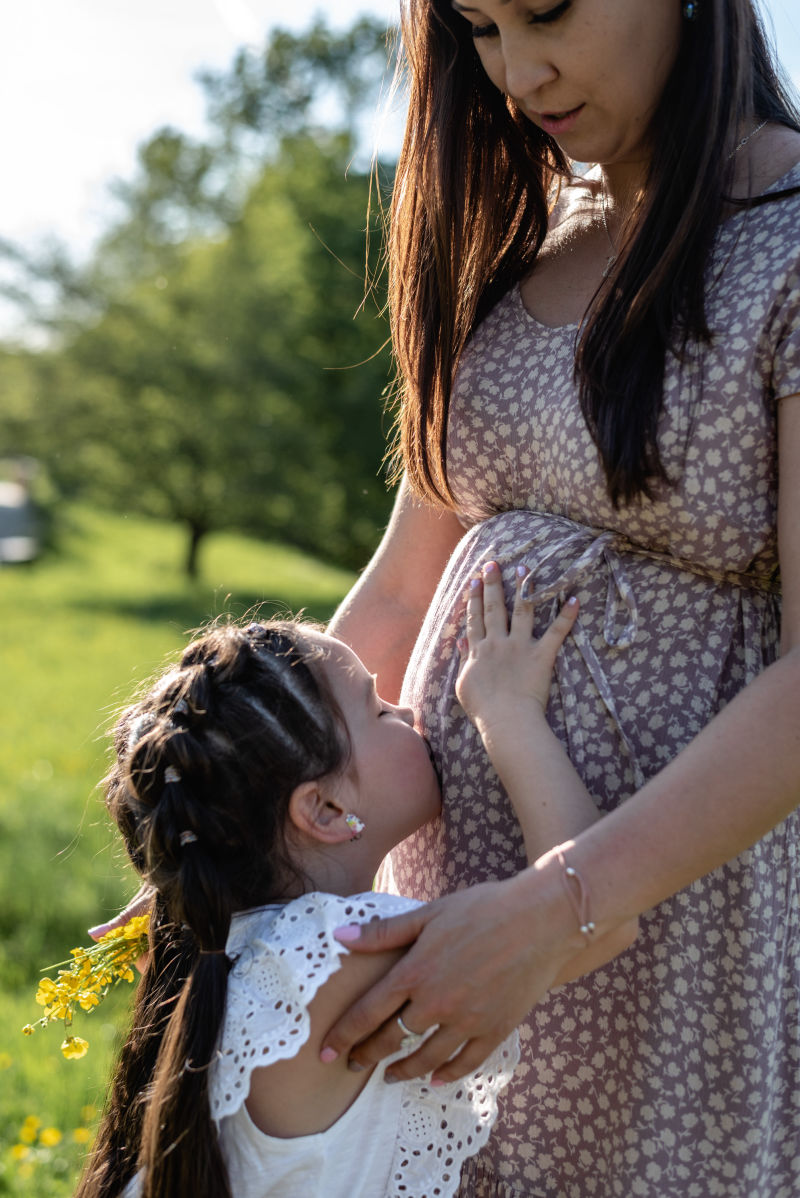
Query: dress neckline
[(526, 315)]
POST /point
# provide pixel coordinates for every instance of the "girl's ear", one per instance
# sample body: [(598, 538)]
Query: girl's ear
[(315, 813)]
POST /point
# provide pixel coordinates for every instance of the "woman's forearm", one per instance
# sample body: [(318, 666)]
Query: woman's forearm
[(734, 782), (382, 615)]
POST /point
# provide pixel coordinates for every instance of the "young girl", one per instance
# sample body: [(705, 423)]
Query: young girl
[(258, 786)]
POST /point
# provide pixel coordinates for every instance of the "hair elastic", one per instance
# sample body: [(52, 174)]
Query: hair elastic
[(578, 896), (171, 774), (187, 837)]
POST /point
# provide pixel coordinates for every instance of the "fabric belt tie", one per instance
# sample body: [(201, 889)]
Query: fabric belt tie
[(562, 538)]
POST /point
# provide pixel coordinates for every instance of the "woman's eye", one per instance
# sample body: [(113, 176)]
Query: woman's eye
[(534, 18), (552, 14)]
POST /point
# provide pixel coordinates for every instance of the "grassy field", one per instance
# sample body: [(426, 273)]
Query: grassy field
[(80, 630)]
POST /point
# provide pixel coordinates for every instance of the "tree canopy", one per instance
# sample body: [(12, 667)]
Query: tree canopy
[(221, 359)]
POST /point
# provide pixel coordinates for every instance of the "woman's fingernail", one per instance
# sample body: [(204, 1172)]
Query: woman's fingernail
[(100, 930), (355, 1067), (490, 567), (347, 933), (390, 1079), (438, 1081), (522, 571), (571, 601), (327, 1055), (474, 583)]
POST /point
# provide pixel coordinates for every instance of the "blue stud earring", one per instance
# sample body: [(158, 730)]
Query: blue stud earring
[(690, 10)]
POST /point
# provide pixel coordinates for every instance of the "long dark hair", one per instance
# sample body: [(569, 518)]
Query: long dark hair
[(205, 766), (469, 215)]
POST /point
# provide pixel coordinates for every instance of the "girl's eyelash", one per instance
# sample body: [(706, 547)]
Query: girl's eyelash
[(535, 18)]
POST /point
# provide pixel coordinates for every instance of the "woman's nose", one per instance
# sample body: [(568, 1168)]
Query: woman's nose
[(526, 70)]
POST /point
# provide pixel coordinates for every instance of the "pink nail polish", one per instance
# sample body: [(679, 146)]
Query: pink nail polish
[(327, 1055), (474, 583), (438, 1081), (347, 933)]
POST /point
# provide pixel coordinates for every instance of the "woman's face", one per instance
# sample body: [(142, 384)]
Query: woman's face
[(588, 72)]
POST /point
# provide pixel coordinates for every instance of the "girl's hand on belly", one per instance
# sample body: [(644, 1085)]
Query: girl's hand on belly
[(505, 673)]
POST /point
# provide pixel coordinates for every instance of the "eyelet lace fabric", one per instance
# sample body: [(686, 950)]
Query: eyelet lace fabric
[(282, 957)]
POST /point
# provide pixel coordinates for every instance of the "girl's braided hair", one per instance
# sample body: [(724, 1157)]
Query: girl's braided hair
[(205, 766)]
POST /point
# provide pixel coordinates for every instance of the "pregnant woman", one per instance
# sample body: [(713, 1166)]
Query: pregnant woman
[(600, 372)]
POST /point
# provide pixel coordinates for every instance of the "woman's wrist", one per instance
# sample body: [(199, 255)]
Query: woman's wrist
[(539, 894)]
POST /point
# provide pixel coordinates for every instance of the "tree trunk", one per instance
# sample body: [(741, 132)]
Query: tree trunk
[(196, 534)]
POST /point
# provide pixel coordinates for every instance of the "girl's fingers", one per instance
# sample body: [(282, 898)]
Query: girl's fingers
[(522, 614), (475, 626), (553, 638), (495, 616)]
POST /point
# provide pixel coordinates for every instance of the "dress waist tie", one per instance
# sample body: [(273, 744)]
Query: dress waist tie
[(561, 537)]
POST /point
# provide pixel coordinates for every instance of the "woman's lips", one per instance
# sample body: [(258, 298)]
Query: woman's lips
[(557, 123)]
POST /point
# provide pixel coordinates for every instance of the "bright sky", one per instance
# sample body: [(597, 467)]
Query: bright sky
[(87, 80)]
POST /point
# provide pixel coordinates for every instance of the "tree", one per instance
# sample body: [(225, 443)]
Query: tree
[(223, 365)]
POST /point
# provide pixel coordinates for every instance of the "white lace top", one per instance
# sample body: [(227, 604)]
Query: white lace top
[(403, 1141)]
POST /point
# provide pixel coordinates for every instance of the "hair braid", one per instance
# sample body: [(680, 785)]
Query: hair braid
[(206, 764)]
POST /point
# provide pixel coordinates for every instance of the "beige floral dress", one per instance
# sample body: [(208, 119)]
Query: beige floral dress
[(673, 1072)]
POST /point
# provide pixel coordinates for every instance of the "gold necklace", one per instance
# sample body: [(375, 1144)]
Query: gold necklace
[(612, 257), (746, 139)]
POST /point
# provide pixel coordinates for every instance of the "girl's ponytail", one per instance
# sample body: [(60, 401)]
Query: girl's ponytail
[(180, 1152), (206, 765)]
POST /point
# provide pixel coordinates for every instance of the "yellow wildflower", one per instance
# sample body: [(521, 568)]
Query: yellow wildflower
[(87, 977), (19, 1152), (50, 1136), (81, 1135), (74, 1047)]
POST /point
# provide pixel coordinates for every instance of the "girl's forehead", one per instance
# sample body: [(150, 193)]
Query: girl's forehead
[(337, 657)]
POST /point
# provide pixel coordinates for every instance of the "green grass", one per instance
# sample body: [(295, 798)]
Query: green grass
[(81, 629)]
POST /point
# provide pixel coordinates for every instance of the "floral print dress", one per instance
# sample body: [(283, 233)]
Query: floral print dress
[(674, 1071)]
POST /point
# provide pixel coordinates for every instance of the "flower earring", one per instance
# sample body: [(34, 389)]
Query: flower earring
[(355, 825)]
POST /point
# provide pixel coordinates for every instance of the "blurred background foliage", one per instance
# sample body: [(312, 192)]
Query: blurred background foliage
[(198, 411), (221, 360)]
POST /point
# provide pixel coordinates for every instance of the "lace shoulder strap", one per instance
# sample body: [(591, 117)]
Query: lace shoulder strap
[(281, 958)]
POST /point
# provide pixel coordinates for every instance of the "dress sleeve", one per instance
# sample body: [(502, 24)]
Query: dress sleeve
[(280, 962), (441, 1127), (786, 366)]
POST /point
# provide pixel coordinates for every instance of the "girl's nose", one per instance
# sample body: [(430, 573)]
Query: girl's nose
[(407, 714)]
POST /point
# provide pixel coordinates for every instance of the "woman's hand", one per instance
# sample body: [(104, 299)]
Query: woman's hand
[(141, 902), (480, 959)]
